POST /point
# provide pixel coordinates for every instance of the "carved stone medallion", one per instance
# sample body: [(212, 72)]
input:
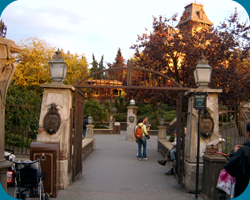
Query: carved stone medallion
[(52, 120), (206, 125)]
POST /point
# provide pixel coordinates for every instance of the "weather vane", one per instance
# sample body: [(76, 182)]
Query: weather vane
[(3, 29)]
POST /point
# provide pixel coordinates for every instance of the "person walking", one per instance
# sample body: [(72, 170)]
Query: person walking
[(239, 165), (85, 122), (143, 141)]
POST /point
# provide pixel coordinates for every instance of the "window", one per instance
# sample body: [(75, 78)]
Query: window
[(115, 92), (201, 14)]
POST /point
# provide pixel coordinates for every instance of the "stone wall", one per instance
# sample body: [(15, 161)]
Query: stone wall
[(88, 145), (103, 131), (164, 146)]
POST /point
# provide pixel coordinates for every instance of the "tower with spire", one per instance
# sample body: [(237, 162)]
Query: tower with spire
[(194, 14)]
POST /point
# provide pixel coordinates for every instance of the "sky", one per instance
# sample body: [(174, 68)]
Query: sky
[(99, 27)]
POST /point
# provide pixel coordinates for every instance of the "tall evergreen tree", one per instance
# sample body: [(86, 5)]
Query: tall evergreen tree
[(101, 67), (96, 67), (94, 64), (119, 60)]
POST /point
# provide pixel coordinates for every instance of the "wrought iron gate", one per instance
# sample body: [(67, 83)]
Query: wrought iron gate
[(77, 135), (179, 166), (136, 78)]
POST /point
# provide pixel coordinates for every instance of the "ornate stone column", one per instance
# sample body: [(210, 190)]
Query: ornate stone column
[(132, 113), (162, 132), (62, 97), (90, 131), (7, 47), (111, 124), (189, 179)]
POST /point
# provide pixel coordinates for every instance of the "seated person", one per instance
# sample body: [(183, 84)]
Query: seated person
[(170, 156)]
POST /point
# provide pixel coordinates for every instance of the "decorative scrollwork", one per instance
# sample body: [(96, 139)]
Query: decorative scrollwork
[(52, 120), (3, 29), (206, 124)]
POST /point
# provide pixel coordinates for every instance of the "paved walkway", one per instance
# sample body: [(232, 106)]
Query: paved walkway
[(112, 171)]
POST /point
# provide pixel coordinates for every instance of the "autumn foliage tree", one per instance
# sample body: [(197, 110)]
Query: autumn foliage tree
[(174, 52), (33, 69), (228, 54), (77, 67), (119, 62)]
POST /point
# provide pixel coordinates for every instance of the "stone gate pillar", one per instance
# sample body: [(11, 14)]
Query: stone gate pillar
[(132, 114), (7, 47), (62, 97), (189, 178)]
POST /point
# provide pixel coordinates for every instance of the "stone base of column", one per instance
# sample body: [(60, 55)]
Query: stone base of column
[(65, 177), (189, 179), (90, 131), (130, 139), (162, 132), (130, 134)]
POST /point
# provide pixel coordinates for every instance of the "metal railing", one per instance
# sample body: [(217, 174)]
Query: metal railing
[(232, 127), (21, 125)]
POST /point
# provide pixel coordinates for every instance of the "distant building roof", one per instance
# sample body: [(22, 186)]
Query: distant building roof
[(194, 12), (104, 82)]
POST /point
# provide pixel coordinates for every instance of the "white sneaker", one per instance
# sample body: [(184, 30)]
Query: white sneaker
[(139, 159), (145, 158)]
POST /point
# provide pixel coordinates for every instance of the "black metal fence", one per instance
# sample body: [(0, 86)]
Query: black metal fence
[(21, 125), (232, 127)]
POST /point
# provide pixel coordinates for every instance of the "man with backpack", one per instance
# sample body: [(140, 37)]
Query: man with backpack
[(141, 135)]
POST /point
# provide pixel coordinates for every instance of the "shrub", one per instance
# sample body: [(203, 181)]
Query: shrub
[(94, 108), (144, 110), (120, 117), (170, 116)]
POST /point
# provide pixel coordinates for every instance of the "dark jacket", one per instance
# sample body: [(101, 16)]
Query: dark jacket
[(85, 122), (239, 166)]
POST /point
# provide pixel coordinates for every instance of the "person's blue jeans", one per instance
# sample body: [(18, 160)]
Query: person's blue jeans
[(84, 132), (172, 154), (142, 142)]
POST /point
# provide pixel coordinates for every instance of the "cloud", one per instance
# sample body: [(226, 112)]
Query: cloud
[(98, 26)]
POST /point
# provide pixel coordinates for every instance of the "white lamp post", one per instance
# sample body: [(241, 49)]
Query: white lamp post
[(58, 68), (90, 120), (202, 73), (132, 102), (162, 121)]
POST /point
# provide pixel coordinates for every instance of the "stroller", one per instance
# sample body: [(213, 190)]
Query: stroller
[(28, 180), (9, 155)]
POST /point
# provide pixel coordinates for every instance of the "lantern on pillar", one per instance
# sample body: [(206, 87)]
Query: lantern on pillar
[(90, 120), (58, 68), (162, 121), (202, 73), (132, 102)]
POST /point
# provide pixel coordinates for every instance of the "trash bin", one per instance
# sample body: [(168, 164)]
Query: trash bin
[(213, 164), (48, 153), (117, 128)]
